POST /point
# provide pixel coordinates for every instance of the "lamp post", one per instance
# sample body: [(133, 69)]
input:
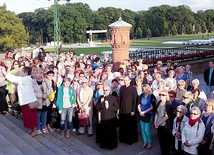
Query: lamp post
[(57, 32)]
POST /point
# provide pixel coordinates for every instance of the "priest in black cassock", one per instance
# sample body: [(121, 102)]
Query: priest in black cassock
[(127, 113), (106, 133)]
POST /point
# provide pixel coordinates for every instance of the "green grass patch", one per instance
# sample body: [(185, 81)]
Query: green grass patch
[(153, 42), (86, 51)]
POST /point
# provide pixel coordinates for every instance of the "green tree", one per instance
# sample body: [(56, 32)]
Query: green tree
[(29, 19), (12, 31), (139, 33), (174, 30), (203, 27)]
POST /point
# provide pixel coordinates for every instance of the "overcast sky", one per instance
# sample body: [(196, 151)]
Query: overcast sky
[(19, 6)]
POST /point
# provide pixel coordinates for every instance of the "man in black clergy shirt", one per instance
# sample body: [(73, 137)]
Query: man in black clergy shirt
[(127, 108), (106, 133)]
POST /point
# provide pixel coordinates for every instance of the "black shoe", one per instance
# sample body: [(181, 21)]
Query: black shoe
[(78, 133), (89, 135), (4, 113)]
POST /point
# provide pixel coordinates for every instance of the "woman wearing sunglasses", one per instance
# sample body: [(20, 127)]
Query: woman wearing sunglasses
[(178, 126), (193, 132), (163, 122), (188, 102)]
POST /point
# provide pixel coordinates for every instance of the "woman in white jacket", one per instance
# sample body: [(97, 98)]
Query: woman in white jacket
[(178, 125), (193, 132), (26, 95)]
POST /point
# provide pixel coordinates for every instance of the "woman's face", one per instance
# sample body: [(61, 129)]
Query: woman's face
[(195, 85), (195, 95), (171, 74), (145, 90), (179, 113), (194, 114), (162, 96), (160, 85), (67, 83), (38, 75), (181, 86), (186, 99), (16, 65), (138, 82), (50, 76), (208, 107)]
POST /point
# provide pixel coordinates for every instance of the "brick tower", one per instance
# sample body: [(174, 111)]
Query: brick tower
[(120, 41)]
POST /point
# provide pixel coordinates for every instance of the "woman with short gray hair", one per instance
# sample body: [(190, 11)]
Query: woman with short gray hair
[(178, 125), (193, 132)]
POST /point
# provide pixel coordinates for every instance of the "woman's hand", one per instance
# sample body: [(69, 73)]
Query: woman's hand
[(178, 135), (187, 144), (142, 113), (45, 96), (156, 125)]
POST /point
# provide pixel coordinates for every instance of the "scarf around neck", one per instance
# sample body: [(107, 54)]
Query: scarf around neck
[(193, 121)]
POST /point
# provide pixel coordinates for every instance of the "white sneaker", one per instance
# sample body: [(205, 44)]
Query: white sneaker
[(74, 130)]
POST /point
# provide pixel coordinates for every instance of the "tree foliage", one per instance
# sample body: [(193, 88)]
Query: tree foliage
[(76, 18), (12, 31)]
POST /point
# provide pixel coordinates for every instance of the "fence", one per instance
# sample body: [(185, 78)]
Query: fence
[(181, 54)]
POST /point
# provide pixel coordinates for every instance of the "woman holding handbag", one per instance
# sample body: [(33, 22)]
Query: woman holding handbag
[(42, 89), (145, 107), (26, 96)]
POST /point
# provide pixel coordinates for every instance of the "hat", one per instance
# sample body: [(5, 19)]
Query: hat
[(172, 92), (159, 63)]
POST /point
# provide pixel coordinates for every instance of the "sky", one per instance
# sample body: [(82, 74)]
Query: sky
[(19, 6)]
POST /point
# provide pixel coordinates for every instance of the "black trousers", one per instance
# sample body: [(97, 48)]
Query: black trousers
[(164, 138), (3, 101)]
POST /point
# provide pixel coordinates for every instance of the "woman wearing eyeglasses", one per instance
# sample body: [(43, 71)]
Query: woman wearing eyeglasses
[(207, 117), (178, 126), (193, 132), (188, 102), (163, 122)]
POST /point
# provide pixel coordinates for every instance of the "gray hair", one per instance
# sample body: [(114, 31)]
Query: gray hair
[(195, 81), (183, 108), (196, 109), (37, 70)]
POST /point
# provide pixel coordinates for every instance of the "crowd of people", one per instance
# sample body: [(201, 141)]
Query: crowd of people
[(87, 95)]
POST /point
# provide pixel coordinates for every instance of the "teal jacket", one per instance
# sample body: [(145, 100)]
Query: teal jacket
[(60, 94)]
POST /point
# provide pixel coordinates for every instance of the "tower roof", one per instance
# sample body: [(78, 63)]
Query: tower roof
[(120, 23)]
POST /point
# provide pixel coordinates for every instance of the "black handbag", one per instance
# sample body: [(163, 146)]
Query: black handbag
[(145, 118)]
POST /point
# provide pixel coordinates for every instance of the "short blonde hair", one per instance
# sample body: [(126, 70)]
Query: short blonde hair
[(181, 82), (195, 81), (146, 86), (210, 102), (166, 93), (171, 71), (189, 95)]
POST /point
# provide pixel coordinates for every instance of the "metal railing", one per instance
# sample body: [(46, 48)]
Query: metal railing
[(181, 54)]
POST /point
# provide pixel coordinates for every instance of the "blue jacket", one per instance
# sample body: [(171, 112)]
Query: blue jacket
[(60, 94)]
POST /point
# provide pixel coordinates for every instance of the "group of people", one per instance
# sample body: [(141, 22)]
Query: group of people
[(84, 92)]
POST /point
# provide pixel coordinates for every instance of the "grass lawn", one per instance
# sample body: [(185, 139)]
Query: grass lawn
[(153, 42)]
